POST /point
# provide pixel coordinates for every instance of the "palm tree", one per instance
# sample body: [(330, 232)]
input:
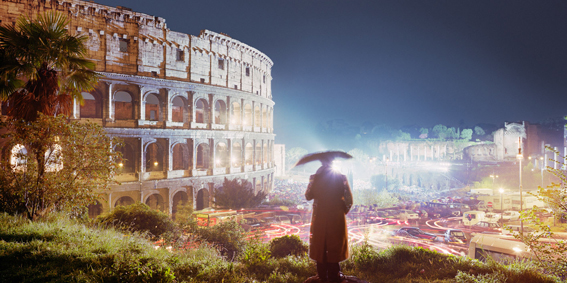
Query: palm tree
[(42, 67)]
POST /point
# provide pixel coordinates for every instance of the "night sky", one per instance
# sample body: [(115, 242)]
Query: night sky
[(393, 62)]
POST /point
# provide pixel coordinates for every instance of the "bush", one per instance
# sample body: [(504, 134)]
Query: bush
[(138, 218), (228, 236), (287, 245)]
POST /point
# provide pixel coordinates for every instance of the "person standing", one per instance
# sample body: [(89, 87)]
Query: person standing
[(328, 239)]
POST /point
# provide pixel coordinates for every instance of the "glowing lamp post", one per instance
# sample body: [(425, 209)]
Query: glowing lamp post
[(501, 209), (520, 157)]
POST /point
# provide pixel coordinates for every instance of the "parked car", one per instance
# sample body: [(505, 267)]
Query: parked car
[(252, 224), (454, 236), (485, 227), (492, 217), (407, 214), (473, 217), (413, 232), (510, 215)]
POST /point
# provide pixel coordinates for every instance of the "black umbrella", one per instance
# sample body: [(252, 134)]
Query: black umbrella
[(326, 156)]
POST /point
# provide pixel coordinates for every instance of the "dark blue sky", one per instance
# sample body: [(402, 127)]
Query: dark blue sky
[(394, 62)]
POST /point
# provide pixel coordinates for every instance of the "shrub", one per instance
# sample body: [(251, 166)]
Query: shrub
[(228, 236), (138, 218), (287, 245)]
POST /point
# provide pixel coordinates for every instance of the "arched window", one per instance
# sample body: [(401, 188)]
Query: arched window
[(123, 109), (203, 155), (264, 118), (249, 154), (152, 107), (178, 109), (124, 201), (126, 164), (18, 157), (247, 115), (201, 111), (221, 155), (179, 157), (156, 202), (220, 112), (89, 109), (236, 155), (154, 158), (257, 116), (235, 113), (258, 153)]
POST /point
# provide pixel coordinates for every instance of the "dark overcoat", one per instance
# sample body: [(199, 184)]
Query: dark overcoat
[(332, 201)]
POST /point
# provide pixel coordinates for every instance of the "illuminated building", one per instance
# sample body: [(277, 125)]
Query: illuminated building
[(191, 110)]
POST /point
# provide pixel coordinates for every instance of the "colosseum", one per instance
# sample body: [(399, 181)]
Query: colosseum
[(192, 110)]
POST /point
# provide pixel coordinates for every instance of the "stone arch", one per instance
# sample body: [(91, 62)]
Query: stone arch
[(264, 117), (154, 157), (257, 116), (247, 115), (201, 113), (179, 200), (221, 155), (258, 153), (249, 154), (236, 158), (95, 209), (202, 199), (18, 155), (155, 201), (127, 162), (124, 201), (179, 109), (180, 156), (235, 113), (123, 106), (202, 155), (220, 112), (152, 104), (91, 107)]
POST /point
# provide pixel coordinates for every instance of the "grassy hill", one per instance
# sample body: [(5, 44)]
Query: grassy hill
[(60, 250)]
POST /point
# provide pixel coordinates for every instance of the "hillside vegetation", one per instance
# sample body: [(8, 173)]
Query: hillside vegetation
[(63, 250)]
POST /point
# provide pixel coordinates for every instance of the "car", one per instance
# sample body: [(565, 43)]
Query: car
[(492, 217), (413, 232), (454, 236), (251, 224), (407, 214), (510, 215), (485, 227)]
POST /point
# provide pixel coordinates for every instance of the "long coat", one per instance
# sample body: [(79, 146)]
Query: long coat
[(332, 201)]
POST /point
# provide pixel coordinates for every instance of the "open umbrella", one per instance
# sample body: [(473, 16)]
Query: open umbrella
[(326, 156)]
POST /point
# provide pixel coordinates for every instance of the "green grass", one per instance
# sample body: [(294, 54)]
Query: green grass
[(60, 250)]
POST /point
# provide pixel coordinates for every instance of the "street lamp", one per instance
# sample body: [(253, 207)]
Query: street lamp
[(520, 157), (541, 166), (493, 176), (501, 190)]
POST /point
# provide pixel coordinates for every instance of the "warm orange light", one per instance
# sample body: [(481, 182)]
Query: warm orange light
[(156, 164)]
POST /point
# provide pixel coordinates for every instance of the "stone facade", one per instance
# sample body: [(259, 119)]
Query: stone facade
[(192, 110)]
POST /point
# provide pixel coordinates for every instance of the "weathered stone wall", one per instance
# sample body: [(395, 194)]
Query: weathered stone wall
[(178, 101)]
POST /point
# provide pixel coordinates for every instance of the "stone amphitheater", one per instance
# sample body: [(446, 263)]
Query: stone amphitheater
[(192, 110)]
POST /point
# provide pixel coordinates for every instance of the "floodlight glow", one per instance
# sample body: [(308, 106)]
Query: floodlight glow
[(156, 164)]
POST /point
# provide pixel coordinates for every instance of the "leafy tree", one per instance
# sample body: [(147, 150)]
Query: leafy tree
[(238, 194), (550, 252), (479, 131), (359, 155), (293, 155), (54, 165), (402, 136), (466, 134), (440, 131), (42, 66)]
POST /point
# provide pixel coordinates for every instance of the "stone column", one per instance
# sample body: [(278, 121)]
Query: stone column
[(169, 156), (168, 104), (110, 115), (229, 145), (142, 105), (142, 164), (212, 154)]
